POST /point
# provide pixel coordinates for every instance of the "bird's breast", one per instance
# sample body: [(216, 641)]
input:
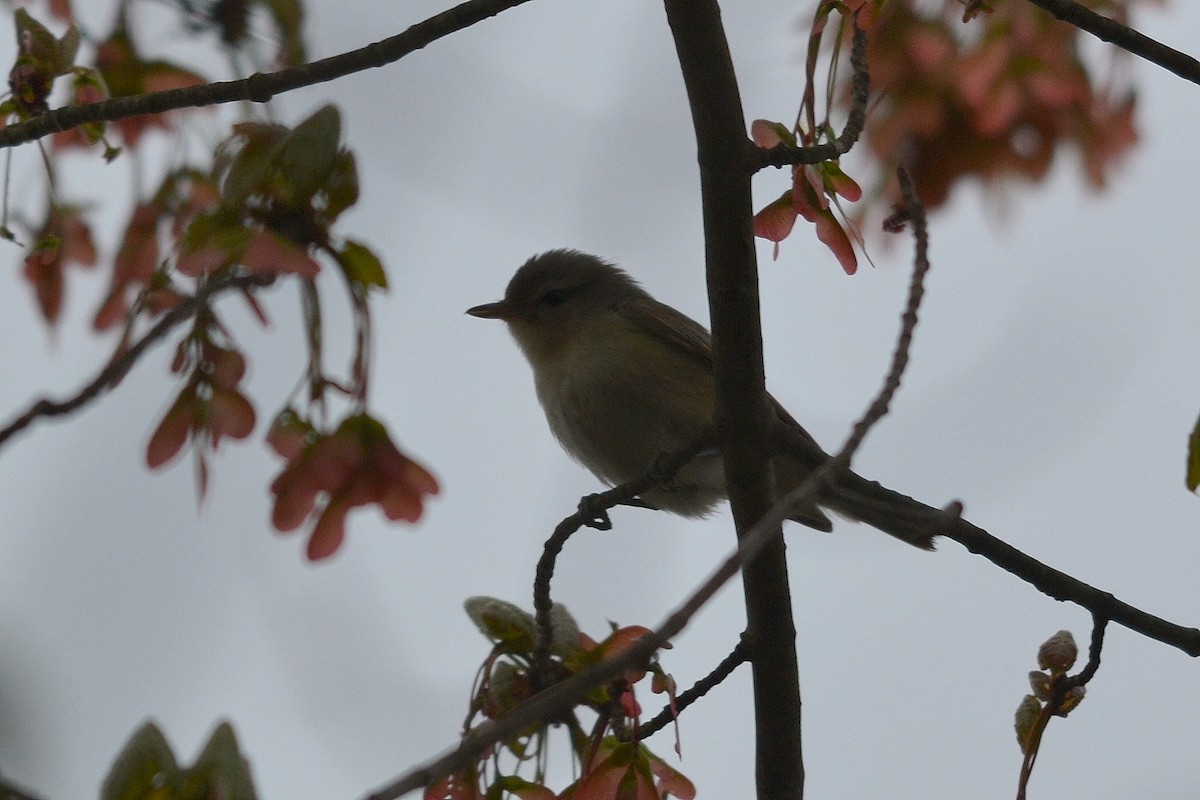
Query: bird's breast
[(617, 398)]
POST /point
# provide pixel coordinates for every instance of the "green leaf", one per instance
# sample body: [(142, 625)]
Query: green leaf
[(526, 790), (564, 638), (1193, 458), (245, 173), (289, 19), (503, 623), (341, 189), (1025, 722), (220, 771), (362, 267), (33, 39), (145, 768), (210, 243), (47, 244), (307, 156), (66, 49), (122, 67)]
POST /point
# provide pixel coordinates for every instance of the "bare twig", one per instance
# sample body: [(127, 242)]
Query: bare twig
[(590, 508), (1062, 586), (115, 370), (783, 155), (1063, 698), (1124, 37), (1099, 624), (737, 656), (908, 319), (261, 87)]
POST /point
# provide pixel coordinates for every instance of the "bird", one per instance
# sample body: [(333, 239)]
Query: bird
[(624, 379)]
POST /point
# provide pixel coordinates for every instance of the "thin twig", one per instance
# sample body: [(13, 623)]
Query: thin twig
[(917, 529), (782, 155), (1062, 686), (261, 87), (1124, 37), (115, 370), (789, 438), (908, 319), (1099, 624), (1062, 586), (590, 508), (737, 656)]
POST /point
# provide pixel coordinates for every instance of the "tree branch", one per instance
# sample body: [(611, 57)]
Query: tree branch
[(112, 373), (261, 87), (1124, 37), (742, 415), (1062, 586)]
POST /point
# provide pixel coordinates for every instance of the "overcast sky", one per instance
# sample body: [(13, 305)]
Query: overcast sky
[(1052, 389)]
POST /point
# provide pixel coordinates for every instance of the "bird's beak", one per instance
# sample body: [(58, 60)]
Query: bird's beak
[(497, 310)]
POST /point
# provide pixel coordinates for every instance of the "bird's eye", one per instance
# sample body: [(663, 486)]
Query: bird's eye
[(553, 298)]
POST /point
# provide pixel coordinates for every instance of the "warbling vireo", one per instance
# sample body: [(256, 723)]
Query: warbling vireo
[(624, 379)]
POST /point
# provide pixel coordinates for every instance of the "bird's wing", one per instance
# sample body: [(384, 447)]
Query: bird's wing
[(693, 338), (661, 320)]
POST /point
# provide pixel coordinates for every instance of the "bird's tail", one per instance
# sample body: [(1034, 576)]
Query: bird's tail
[(891, 512)]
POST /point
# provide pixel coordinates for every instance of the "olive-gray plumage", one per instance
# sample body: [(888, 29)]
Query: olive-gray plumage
[(624, 378)]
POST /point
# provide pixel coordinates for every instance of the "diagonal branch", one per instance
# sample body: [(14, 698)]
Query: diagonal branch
[(1124, 37), (116, 369), (261, 87), (1062, 586)]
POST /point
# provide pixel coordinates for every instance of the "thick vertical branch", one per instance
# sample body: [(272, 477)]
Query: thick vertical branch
[(742, 415)]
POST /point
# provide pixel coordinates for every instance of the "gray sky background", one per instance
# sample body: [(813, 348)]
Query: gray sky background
[(1052, 389)]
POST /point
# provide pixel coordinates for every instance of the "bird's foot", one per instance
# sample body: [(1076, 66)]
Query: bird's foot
[(594, 514)]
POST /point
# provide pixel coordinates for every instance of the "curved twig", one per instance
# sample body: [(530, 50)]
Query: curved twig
[(782, 155), (590, 508)]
